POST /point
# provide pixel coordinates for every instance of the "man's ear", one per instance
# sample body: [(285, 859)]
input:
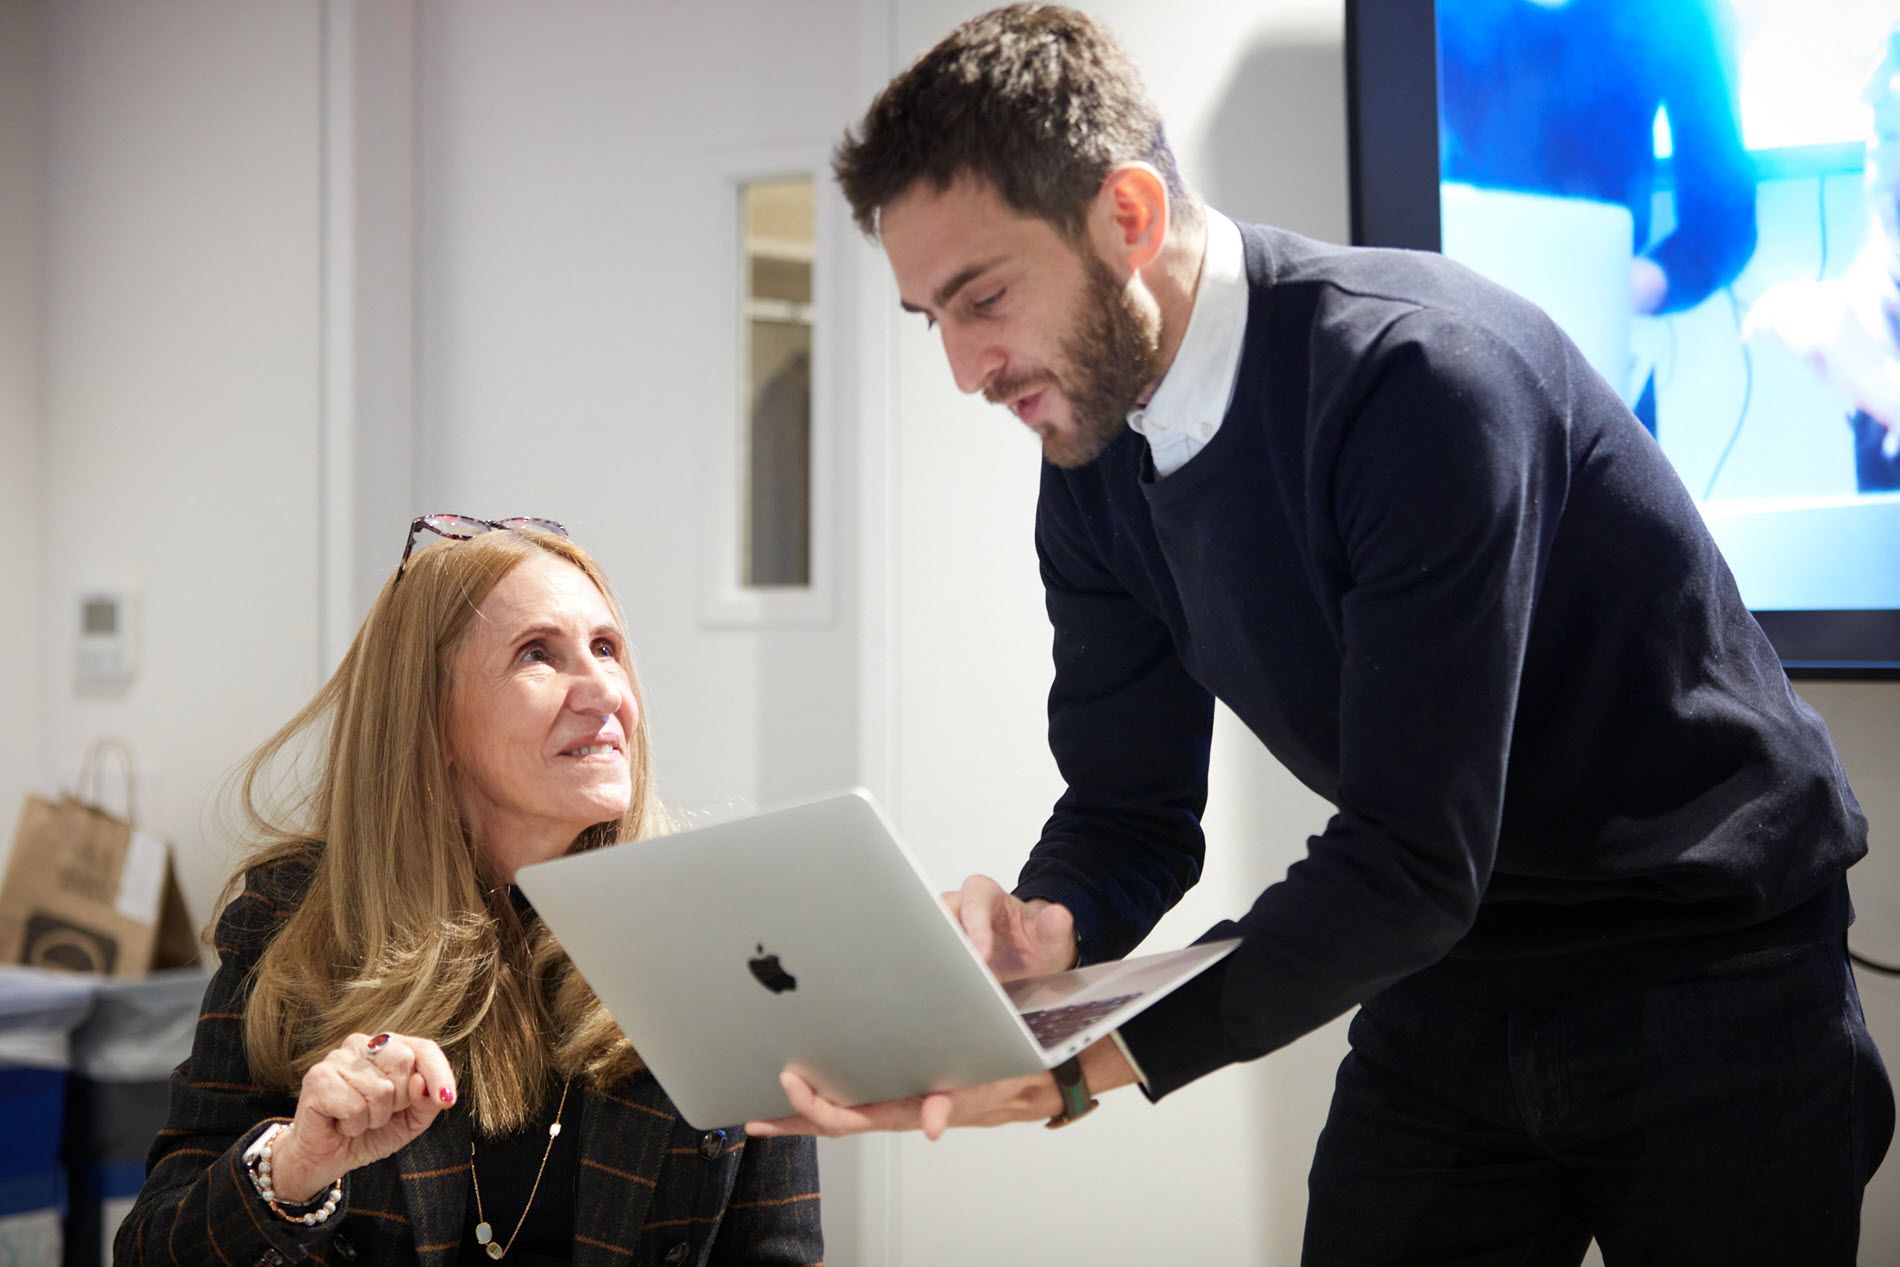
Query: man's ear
[(1128, 222)]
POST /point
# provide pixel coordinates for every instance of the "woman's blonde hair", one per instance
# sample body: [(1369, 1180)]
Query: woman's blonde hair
[(402, 927)]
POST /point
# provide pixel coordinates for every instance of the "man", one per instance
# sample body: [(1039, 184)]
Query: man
[(1585, 876)]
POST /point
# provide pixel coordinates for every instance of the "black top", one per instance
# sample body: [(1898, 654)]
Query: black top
[(506, 1168), (1448, 580)]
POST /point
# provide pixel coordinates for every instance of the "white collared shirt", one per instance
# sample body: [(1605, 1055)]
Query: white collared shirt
[(1186, 409)]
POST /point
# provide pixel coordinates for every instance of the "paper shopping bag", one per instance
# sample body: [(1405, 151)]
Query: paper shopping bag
[(87, 891)]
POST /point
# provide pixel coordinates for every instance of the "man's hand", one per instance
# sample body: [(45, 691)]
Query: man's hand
[(1030, 1099), (1015, 938)]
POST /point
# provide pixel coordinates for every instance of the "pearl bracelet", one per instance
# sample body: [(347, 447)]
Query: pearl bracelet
[(257, 1159)]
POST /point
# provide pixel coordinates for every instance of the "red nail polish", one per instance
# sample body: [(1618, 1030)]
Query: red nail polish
[(448, 1096)]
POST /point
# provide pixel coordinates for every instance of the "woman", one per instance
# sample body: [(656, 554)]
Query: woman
[(396, 1063)]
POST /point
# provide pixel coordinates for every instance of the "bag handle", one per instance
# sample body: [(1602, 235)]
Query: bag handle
[(92, 776)]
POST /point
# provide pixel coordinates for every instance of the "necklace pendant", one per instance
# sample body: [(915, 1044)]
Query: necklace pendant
[(495, 1250), (484, 1233), (554, 1128)]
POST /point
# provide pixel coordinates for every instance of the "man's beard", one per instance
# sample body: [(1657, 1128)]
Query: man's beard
[(1110, 357)]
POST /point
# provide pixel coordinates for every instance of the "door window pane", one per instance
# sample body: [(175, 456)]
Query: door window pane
[(775, 539)]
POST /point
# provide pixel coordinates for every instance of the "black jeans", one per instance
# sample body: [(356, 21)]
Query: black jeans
[(1729, 1119)]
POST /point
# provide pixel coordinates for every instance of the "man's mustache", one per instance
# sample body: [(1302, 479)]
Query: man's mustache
[(1003, 391)]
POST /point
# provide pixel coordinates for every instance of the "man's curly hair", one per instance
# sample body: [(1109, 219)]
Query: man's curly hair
[(1037, 100)]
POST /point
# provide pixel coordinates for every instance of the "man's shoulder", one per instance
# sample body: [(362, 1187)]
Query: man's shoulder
[(1352, 297), (1277, 256), (1282, 260)]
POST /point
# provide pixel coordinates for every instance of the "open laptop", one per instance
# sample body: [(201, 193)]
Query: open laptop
[(808, 937)]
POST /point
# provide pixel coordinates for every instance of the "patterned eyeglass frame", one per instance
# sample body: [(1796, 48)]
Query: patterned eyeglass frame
[(461, 527)]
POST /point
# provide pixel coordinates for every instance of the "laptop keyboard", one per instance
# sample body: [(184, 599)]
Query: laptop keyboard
[(1053, 1025)]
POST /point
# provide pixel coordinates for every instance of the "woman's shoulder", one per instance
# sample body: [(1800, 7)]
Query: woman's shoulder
[(271, 886), (280, 874)]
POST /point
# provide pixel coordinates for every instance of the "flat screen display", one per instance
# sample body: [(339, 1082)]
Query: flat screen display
[(1705, 194)]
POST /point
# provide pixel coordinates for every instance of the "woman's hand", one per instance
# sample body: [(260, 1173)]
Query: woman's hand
[(357, 1105)]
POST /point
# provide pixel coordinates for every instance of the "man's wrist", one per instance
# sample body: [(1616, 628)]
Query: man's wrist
[(1100, 1067), (1134, 1066), (1105, 1066), (1072, 1087)]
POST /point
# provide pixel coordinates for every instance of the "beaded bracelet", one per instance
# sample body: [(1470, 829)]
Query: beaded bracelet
[(257, 1160)]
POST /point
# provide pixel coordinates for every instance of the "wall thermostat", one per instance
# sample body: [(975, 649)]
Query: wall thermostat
[(106, 635)]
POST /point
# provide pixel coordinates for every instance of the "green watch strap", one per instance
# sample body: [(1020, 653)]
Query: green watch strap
[(1074, 1089)]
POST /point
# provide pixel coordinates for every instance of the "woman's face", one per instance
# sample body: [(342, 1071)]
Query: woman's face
[(540, 715)]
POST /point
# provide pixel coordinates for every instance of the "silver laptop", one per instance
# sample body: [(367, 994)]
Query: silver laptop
[(807, 937)]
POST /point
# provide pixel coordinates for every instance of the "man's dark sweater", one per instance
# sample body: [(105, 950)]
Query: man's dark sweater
[(1449, 581)]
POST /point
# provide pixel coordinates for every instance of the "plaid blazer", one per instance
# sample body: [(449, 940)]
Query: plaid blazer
[(652, 1190)]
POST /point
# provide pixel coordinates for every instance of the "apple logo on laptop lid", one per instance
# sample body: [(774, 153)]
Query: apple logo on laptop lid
[(770, 973)]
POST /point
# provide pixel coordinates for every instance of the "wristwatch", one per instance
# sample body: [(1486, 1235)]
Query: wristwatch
[(1074, 1089)]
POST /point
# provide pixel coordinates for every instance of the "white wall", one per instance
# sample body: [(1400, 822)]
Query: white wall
[(20, 637), (579, 332), (366, 473), (179, 322)]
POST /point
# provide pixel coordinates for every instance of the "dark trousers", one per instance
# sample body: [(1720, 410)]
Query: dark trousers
[(1729, 1119)]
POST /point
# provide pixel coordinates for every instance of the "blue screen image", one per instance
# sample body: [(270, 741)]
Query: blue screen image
[(1705, 194)]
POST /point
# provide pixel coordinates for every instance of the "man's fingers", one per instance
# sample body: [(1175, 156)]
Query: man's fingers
[(774, 1127), (1011, 1100), (1055, 929), (830, 1119), (809, 1108), (982, 898), (935, 1115), (834, 1120)]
